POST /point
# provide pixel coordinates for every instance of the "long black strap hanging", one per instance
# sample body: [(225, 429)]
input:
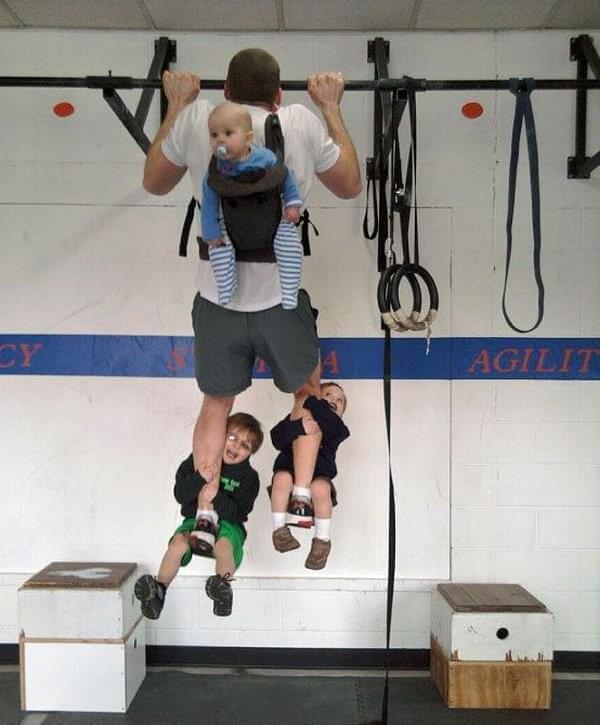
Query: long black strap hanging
[(391, 554), (391, 572), (523, 110)]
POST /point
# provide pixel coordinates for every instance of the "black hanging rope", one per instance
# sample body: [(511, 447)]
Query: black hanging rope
[(404, 201), (387, 145), (391, 573), (412, 270), (523, 110)]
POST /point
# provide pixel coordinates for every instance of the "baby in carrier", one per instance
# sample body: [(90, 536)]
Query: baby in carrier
[(249, 201)]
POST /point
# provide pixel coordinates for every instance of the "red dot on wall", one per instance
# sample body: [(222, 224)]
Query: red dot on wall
[(472, 109), (63, 109)]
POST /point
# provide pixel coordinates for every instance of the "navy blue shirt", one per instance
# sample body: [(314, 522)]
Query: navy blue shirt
[(332, 427)]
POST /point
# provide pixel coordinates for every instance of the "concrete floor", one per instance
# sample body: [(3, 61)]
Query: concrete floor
[(202, 696)]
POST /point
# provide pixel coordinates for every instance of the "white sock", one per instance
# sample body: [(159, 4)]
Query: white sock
[(278, 519), (323, 529), (301, 492), (206, 514), (207, 536)]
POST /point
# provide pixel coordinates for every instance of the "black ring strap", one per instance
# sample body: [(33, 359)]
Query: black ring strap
[(523, 110), (371, 184), (404, 200)]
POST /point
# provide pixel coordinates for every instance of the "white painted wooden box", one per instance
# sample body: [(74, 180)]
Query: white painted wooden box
[(490, 622), (82, 639), (491, 646)]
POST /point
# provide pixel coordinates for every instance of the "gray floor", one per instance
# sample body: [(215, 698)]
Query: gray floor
[(271, 697)]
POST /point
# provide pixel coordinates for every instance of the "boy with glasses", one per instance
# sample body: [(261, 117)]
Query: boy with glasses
[(213, 524)]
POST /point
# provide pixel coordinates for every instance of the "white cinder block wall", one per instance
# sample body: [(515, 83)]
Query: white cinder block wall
[(497, 480)]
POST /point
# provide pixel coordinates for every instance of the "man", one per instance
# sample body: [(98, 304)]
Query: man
[(228, 338)]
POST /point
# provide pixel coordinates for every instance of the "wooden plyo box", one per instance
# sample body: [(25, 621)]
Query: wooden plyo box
[(491, 646), (82, 638)]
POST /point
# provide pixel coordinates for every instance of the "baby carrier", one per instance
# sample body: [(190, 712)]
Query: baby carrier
[(251, 201), (250, 204)]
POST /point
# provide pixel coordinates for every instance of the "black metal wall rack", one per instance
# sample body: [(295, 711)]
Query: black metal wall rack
[(582, 51), (584, 54)]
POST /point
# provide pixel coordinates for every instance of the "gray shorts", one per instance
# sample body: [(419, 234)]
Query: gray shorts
[(226, 344)]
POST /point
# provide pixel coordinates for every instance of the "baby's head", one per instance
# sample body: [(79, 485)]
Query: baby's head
[(244, 437), (230, 129), (335, 396)]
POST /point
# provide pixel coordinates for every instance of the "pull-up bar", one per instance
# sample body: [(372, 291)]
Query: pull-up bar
[(165, 52), (385, 84)]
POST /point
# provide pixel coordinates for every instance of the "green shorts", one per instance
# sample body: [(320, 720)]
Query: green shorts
[(234, 533), (227, 343)]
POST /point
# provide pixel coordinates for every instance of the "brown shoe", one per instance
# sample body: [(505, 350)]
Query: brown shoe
[(317, 557), (283, 540)]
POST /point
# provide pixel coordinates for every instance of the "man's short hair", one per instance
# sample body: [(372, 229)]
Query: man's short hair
[(253, 76), (248, 424)]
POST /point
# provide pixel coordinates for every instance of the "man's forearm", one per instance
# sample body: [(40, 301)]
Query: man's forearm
[(153, 166), (343, 179), (332, 115), (160, 175), (172, 112)]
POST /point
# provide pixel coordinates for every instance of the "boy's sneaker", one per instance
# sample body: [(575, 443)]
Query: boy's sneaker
[(317, 557), (151, 594), (202, 538), (300, 513), (284, 540), (219, 590)]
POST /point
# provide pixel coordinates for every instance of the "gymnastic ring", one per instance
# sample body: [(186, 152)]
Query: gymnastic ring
[(383, 297), (384, 287), (407, 322), (402, 322), (412, 322)]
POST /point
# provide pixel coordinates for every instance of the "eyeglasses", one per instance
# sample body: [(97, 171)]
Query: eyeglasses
[(244, 445)]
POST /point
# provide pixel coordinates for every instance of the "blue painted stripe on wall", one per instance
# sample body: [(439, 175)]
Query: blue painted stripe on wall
[(351, 358)]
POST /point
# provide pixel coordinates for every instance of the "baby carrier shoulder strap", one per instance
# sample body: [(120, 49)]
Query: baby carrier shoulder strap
[(274, 136)]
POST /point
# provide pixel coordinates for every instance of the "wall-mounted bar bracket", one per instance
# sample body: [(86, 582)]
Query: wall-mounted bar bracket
[(374, 48), (165, 52), (584, 54), (389, 107)]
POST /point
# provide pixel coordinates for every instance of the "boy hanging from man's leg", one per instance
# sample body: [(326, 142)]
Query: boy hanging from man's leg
[(318, 429), (232, 495)]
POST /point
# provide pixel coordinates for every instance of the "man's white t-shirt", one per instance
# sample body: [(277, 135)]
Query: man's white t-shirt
[(308, 150)]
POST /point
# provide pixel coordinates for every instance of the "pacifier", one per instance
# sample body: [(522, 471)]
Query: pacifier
[(221, 151)]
